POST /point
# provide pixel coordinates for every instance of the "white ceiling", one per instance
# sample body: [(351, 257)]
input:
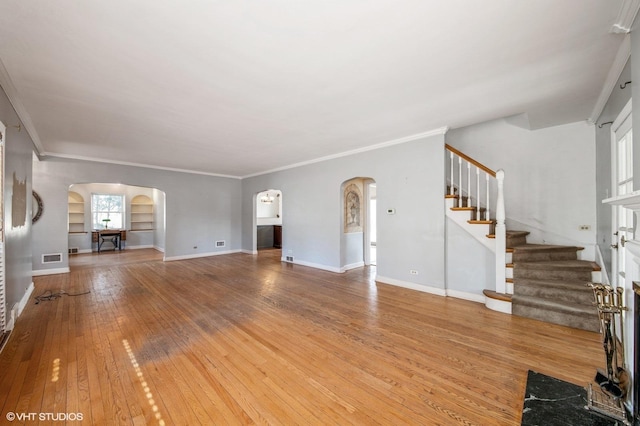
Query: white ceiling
[(242, 87)]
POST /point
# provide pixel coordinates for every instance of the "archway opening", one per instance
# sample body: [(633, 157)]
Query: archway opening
[(358, 234), (268, 220)]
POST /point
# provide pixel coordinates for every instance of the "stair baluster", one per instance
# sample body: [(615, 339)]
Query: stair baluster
[(501, 236), (451, 188), (458, 189)]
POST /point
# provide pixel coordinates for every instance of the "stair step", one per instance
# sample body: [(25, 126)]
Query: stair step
[(566, 270), (498, 296), (582, 317), (516, 238), (544, 252), (481, 222), (570, 292)]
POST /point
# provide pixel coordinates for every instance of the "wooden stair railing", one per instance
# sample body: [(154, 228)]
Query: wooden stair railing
[(462, 189)]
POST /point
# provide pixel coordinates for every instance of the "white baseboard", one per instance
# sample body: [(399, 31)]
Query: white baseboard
[(413, 286), (19, 307), (160, 249), (352, 266), (313, 265), (466, 296), (249, 251), (198, 255), (39, 272), (146, 246)]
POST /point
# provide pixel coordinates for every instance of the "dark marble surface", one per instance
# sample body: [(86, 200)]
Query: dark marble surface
[(549, 402)]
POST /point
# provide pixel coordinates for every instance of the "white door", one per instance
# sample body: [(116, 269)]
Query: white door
[(622, 170)]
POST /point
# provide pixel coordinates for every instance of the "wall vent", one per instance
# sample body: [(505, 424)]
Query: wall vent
[(289, 258), (52, 258), (73, 250), (220, 243)]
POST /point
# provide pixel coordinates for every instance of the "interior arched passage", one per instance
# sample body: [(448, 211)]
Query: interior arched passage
[(268, 220), (357, 242), (141, 215)]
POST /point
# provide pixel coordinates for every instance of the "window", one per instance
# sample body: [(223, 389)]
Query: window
[(107, 211)]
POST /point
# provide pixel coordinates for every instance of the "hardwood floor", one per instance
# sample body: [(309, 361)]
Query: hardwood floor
[(242, 339)]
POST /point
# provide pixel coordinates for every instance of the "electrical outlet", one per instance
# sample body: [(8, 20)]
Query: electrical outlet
[(584, 227), (195, 247), (413, 272)]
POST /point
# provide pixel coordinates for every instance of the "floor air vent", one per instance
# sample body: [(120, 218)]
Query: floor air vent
[(52, 258), (289, 258), (73, 250)]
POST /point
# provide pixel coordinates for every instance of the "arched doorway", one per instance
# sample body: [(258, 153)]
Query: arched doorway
[(358, 224), (268, 220)]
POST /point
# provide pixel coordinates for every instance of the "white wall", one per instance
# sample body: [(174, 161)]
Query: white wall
[(550, 177), (134, 238), (409, 178), (200, 210), (471, 266), (158, 219)]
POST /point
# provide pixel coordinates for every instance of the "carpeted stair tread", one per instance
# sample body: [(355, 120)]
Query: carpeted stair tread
[(572, 292), (576, 316), (545, 247), (516, 238), (544, 253), (557, 264)]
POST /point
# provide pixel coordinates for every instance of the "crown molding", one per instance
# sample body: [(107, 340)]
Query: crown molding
[(623, 55), (435, 132), (127, 163), (21, 112), (626, 16)]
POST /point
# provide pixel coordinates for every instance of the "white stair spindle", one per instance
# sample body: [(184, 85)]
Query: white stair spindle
[(459, 181), (478, 193), (486, 212), (500, 235), (451, 181), (468, 184)]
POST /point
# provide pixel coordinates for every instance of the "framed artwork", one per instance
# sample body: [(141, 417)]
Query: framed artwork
[(353, 208)]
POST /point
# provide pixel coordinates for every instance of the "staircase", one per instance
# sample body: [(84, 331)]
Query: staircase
[(544, 282), (550, 284)]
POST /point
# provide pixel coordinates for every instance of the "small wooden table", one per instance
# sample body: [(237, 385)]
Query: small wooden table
[(114, 236)]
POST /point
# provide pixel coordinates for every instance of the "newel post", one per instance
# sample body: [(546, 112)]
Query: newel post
[(501, 235)]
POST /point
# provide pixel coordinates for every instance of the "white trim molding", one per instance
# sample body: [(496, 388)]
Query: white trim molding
[(626, 16), (472, 297), (23, 115), (410, 138), (412, 286), (623, 55), (17, 309), (198, 255), (345, 268), (312, 265), (53, 271)]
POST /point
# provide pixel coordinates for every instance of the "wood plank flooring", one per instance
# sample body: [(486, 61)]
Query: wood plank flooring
[(242, 339)]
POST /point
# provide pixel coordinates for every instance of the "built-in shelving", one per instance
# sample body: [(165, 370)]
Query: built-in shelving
[(141, 213), (76, 213)]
